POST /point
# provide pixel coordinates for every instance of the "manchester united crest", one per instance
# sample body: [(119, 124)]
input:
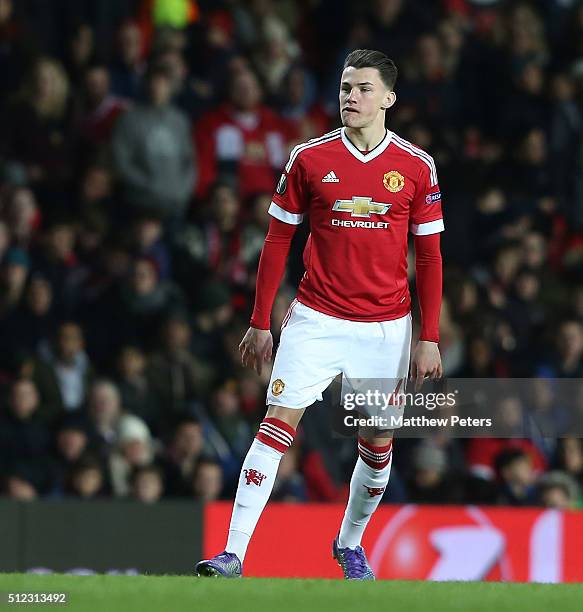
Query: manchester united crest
[(277, 387), (393, 181)]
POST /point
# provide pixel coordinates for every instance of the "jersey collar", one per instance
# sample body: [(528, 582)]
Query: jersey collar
[(380, 148)]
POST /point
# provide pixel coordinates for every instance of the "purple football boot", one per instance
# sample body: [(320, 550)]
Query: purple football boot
[(225, 565), (353, 562)]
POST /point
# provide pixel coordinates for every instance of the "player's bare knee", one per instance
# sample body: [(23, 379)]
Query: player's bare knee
[(291, 416), (375, 436)]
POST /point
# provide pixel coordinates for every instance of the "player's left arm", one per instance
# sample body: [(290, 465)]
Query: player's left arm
[(426, 360), (426, 225)]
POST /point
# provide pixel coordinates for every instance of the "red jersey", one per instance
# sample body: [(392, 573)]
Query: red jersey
[(254, 143), (361, 208)]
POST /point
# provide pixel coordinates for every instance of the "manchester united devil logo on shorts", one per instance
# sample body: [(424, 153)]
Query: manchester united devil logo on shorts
[(277, 387), (393, 181)]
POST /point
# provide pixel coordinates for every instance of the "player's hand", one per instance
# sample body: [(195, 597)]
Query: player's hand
[(426, 362), (255, 348)]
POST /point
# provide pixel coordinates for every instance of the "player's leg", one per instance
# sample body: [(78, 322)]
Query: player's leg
[(384, 360), (256, 480), (367, 485), (305, 364), (276, 434)]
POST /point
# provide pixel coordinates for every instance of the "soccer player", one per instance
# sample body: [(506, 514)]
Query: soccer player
[(364, 188)]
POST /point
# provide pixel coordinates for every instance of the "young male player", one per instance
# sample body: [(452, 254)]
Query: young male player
[(363, 188)]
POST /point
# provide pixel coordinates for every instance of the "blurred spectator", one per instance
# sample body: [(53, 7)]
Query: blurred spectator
[(24, 436), (177, 379), (548, 410), (276, 51), (99, 110), (243, 142), (56, 260), (96, 191), (526, 36), (299, 105), (531, 173), (207, 480), (190, 95), (289, 484), (135, 386), (535, 259), (17, 46), (22, 213), (524, 311), (148, 241), (64, 372), (253, 235), (182, 455), (431, 481), (567, 361), (214, 248), (132, 309), (558, 490), (427, 85), (213, 313), (491, 216), (92, 230), (147, 484), (569, 458), (134, 448), (257, 223), (71, 444), (104, 411), (481, 453), (479, 362), (14, 269), (517, 478), (153, 154), (36, 130), (526, 106), (80, 52), (87, 480), (452, 344), (251, 394), (226, 431), (128, 68), (31, 325), (566, 127)]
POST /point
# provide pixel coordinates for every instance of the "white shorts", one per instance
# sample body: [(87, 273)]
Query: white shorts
[(315, 348)]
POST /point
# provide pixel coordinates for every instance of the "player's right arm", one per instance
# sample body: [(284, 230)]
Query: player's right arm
[(287, 210)]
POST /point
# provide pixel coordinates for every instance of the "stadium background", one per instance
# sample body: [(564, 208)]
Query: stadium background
[(139, 145)]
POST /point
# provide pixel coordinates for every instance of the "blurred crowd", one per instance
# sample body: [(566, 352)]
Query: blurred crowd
[(140, 142)]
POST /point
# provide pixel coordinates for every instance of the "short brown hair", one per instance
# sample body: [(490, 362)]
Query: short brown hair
[(367, 58)]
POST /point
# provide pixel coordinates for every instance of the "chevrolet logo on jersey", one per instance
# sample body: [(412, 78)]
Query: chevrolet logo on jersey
[(361, 207)]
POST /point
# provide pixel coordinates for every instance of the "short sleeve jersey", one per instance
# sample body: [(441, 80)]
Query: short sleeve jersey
[(361, 207)]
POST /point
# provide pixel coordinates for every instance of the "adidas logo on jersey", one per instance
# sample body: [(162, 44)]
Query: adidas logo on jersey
[(331, 178)]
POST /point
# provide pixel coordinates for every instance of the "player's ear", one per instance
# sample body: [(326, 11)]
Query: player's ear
[(390, 99)]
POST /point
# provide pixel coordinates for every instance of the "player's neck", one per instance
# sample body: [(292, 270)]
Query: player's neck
[(366, 138)]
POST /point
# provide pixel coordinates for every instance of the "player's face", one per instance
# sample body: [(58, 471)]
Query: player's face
[(363, 97)]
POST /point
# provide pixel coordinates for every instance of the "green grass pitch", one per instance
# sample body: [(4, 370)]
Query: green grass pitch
[(177, 593)]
